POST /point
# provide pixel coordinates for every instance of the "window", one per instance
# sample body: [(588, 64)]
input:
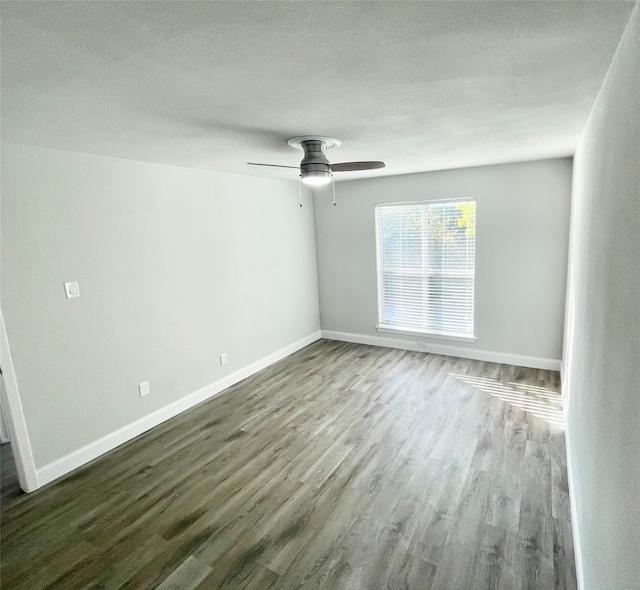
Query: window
[(426, 256)]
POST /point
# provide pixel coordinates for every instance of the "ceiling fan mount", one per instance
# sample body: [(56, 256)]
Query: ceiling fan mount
[(315, 168), (329, 142)]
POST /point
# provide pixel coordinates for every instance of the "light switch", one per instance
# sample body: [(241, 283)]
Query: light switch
[(144, 389), (72, 289)]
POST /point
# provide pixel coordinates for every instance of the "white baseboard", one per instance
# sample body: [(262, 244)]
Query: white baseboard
[(575, 523), (436, 348), (92, 451)]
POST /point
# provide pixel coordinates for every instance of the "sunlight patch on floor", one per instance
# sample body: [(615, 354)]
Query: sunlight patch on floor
[(537, 401)]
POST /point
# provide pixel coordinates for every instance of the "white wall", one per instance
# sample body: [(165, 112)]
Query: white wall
[(175, 267), (522, 231), (602, 349)]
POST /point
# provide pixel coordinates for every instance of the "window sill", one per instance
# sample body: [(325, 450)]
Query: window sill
[(423, 334)]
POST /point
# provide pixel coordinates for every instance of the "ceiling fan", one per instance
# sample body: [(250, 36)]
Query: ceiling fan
[(314, 168)]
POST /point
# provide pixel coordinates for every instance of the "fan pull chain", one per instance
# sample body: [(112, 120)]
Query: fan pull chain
[(300, 189), (333, 185)]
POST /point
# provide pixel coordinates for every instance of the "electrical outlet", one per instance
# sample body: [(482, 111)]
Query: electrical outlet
[(72, 290), (223, 358), (144, 389)]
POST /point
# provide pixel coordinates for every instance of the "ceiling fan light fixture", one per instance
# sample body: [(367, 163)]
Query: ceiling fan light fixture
[(316, 177)]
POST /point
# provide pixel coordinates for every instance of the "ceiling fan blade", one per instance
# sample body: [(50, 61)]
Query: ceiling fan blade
[(352, 166), (272, 165)]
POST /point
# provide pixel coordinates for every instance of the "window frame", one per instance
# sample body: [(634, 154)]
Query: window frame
[(410, 331)]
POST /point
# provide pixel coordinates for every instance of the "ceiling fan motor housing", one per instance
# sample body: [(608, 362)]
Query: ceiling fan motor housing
[(315, 161)]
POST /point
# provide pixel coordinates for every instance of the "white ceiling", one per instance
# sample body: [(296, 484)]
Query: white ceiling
[(213, 85)]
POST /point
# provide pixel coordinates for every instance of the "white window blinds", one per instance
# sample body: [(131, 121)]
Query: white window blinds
[(426, 256)]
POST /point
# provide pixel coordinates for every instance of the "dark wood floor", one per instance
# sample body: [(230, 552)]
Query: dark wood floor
[(343, 466), (9, 485)]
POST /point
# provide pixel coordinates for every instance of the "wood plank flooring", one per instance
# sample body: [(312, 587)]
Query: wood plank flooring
[(341, 467), (9, 485)]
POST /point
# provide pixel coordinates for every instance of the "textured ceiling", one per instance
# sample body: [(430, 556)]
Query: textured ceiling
[(421, 85)]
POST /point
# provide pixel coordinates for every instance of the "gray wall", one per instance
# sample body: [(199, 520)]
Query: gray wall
[(602, 350), (175, 267), (522, 229)]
